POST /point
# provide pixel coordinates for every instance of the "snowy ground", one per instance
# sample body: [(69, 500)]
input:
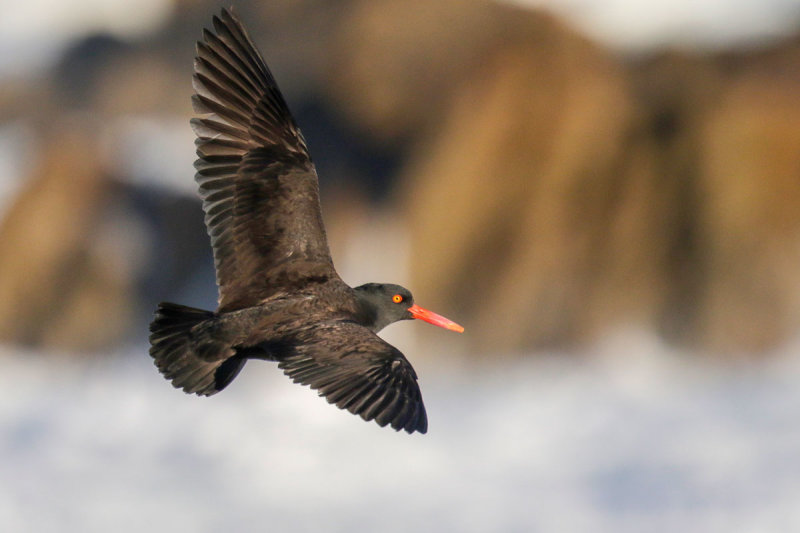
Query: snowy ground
[(630, 438)]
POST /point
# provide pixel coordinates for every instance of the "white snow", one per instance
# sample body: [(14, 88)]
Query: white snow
[(33, 33), (634, 25), (628, 437)]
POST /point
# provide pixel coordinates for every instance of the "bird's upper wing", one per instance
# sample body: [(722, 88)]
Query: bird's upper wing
[(356, 370), (259, 188)]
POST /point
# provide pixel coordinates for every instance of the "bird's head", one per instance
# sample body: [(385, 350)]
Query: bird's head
[(386, 303)]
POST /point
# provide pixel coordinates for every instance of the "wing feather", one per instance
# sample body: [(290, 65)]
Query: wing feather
[(259, 187), (356, 370)]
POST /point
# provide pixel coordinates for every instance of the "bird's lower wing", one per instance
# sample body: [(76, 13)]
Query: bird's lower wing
[(358, 371)]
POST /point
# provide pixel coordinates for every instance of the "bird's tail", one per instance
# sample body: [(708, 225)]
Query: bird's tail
[(188, 358)]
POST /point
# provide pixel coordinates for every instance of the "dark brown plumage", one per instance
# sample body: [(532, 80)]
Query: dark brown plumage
[(280, 298)]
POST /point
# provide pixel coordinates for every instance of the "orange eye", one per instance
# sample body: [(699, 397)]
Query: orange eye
[(397, 298)]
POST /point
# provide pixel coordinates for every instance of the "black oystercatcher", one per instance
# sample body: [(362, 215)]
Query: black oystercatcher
[(280, 298)]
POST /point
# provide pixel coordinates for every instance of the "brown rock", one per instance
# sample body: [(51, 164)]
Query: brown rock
[(511, 204), (54, 291), (750, 170)]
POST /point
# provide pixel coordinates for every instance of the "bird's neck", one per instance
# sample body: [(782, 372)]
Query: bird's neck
[(369, 314)]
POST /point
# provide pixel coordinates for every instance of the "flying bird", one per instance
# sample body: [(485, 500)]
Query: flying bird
[(280, 298)]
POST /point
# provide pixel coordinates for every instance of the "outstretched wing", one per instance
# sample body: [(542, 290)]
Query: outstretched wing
[(259, 188), (356, 370)]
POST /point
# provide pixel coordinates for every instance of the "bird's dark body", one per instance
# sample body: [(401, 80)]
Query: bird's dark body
[(280, 298)]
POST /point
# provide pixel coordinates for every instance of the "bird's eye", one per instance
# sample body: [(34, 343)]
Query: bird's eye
[(397, 298)]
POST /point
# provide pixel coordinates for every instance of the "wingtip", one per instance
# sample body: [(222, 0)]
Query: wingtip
[(229, 11), (421, 428), (421, 421), (227, 17), (216, 22)]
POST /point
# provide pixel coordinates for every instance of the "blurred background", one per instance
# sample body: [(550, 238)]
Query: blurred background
[(606, 194)]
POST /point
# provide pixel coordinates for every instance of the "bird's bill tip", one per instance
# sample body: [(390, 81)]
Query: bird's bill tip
[(432, 318)]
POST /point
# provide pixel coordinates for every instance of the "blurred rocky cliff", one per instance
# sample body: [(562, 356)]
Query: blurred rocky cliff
[(551, 190)]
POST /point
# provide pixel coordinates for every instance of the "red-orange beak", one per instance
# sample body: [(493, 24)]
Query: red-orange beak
[(432, 318)]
